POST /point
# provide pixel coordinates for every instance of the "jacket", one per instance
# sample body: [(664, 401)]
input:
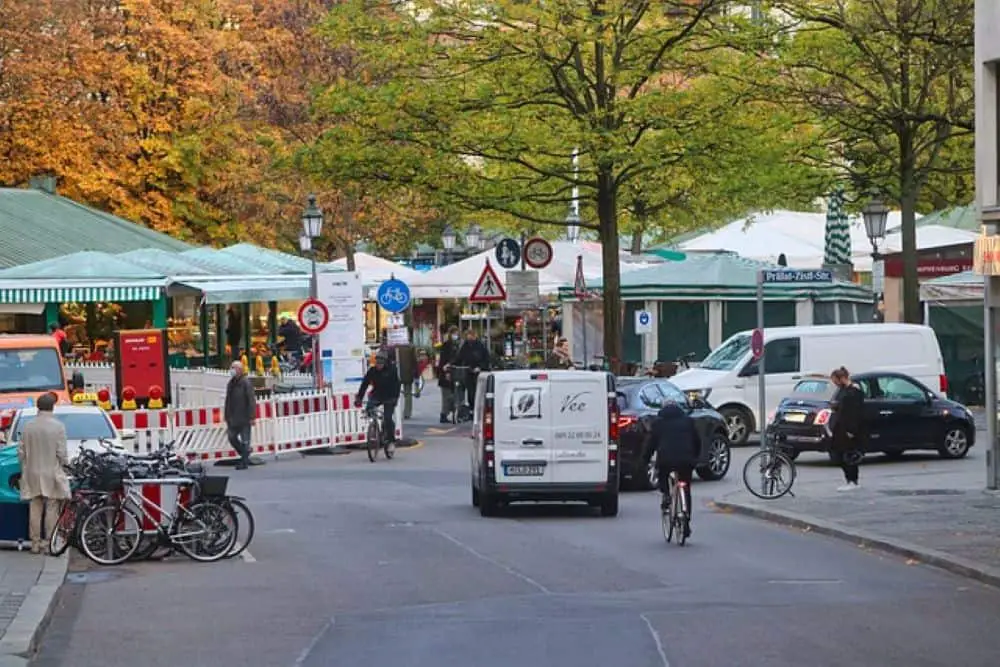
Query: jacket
[(847, 418), (474, 354), (448, 355), (385, 383), (241, 402), (675, 438), (42, 455), (293, 336)]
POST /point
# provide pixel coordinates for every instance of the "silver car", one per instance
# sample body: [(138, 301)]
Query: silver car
[(86, 426)]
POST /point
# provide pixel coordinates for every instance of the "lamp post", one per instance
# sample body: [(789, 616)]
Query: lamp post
[(876, 215), (448, 238), (312, 227), (473, 236)]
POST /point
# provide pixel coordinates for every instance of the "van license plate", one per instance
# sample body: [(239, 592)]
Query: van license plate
[(795, 417), (524, 470)]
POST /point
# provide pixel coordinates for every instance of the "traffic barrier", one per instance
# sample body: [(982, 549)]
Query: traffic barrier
[(284, 423)]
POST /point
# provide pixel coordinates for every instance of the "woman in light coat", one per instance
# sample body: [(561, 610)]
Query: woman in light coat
[(42, 454)]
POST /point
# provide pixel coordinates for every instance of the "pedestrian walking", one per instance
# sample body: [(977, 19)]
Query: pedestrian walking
[(44, 484), (847, 427), (447, 357), (406, 356), (240, 412), (476, 356)]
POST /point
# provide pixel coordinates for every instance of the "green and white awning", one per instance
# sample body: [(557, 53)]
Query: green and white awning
[(80, 294)]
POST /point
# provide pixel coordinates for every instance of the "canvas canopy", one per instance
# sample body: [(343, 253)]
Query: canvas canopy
[(376, 270), (960, 287)]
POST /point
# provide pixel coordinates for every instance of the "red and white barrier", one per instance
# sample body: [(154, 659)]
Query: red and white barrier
[(285, 423)]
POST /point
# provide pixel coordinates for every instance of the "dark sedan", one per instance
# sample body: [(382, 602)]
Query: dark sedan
[(900, 414), (639, 400)]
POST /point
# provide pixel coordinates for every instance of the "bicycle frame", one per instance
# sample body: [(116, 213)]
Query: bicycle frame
[(678, 499), (132, 496)]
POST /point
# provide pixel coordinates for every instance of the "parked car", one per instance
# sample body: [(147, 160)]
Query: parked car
[(639, 399), (900, 412)]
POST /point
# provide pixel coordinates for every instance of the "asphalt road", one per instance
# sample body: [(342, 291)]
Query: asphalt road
[(388, 565)]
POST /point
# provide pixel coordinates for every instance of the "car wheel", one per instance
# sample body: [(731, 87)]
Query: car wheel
[(609, 504), (956, 442), (739, 424), (488, 505), (652, 479), (719, 458)]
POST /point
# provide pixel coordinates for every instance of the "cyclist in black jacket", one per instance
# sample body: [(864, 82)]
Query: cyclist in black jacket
[(675, 440), (384, 380)]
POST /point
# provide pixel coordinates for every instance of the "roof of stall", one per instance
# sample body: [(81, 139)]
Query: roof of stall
[(81, 277), (967, 286)]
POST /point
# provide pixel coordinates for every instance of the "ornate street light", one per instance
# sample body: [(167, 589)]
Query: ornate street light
[(312, 219), (876, 216), (472, 236), (312, 227), (448, 238)]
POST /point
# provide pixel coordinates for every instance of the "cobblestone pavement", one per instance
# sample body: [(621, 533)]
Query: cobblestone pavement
[(18, 573)]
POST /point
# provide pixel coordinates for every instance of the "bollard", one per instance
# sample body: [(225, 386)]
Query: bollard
[(259, 365), (128, 398), (275, 366)]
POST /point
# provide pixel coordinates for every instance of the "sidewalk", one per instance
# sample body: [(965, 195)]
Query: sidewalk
[(945, 520), (28, 585)]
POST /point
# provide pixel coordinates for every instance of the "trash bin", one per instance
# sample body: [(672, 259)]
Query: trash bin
[(13, 512)]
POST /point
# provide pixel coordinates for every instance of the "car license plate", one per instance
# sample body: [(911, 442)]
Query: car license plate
[(523, 470), (795, 417)]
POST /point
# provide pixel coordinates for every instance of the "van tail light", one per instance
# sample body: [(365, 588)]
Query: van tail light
[(488, 434), (822, 418), (614, 426), (624, 421), (943, 382)]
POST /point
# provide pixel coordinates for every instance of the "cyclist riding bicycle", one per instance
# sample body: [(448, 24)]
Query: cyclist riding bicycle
[(384, 380), (675, 440)]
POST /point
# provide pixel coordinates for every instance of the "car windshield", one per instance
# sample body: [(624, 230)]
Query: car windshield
[(728, 355), (673, 394), (30, 370), (79, 425), (818, 388)]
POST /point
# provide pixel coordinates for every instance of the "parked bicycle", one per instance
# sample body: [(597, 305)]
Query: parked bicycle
[(677, 518), (770, 473), (377, 438)]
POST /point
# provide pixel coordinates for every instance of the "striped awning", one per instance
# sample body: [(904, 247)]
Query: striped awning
[(79, 294)]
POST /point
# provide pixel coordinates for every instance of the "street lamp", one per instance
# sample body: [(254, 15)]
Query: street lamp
[(876, 215), (573, 226), (312, 227), (472, 236), (448, 238)]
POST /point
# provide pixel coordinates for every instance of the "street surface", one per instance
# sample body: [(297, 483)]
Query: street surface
[(388, 565)]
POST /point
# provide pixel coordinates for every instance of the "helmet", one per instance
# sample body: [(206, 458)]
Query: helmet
[(381, 357)]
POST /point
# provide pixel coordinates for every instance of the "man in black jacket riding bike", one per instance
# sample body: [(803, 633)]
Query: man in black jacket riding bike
[(384, 380), (675, 440)]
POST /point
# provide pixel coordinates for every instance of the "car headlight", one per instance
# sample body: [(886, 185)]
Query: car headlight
[(702, 394)]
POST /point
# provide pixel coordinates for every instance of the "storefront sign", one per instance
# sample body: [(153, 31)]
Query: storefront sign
[(342, 342), (929, 268), (987, 255)]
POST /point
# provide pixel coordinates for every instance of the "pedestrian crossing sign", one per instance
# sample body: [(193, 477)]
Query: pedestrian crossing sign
[(488, 288)]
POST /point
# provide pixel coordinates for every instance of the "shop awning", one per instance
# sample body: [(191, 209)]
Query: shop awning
[(245, 290), (80, 293)]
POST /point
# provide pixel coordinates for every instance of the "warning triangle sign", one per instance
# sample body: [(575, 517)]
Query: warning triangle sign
[(580, 284), (488, 288)]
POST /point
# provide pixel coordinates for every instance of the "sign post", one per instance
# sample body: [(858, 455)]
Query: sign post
[(774, 277), (488, 290)]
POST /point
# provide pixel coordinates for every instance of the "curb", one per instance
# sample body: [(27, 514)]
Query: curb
[(939, 559), (24, 632)]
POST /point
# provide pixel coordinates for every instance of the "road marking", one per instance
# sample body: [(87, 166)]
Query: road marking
[(279, 530), (247, 557), (656, 640), (439, 431), (492, 561), (304, 655), (805, 582)]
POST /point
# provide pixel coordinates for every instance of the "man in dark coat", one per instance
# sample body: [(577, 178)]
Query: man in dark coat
[(847, 436), (446, 358), (674, 438), (240, 412), (383, 378), (407, 360), (473, 354)]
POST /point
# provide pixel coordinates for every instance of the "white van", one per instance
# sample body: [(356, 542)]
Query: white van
[(545, 435), (727, 378)]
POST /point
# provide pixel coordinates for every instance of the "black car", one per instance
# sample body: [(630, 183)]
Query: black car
[(900, 414), (639, 399)]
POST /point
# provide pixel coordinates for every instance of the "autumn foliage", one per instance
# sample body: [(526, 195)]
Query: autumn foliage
[(185, 115)]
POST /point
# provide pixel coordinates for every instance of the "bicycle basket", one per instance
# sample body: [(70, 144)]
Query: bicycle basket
[(109, 477), (213, 486)]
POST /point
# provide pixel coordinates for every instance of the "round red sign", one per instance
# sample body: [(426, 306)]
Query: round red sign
[(313, 316), (757, 343)]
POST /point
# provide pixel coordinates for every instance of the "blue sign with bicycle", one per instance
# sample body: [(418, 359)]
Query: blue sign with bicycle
[(393, 295)]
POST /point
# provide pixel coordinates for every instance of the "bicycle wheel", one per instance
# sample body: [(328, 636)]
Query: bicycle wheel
[(667, 524), (245, 527), (389, 448), (62, 535), (769, 474), (206, 531), (374, 436), (680, 521), (110, 535)]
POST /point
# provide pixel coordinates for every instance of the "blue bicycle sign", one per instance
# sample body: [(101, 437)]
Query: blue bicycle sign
[(393, 295)]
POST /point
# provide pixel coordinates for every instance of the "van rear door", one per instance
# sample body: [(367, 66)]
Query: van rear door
[(578, 410), (523, 434)]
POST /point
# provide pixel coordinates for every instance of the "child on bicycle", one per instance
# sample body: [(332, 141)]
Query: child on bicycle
[(675, 440)]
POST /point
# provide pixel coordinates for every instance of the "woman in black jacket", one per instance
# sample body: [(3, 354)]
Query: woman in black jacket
[(847, 427)]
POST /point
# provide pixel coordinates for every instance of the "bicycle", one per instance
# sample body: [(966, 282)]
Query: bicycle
[(678, 515), (375, 413), (459, 377), (772, 467)]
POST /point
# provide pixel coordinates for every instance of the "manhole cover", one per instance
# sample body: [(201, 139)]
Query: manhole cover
[(921, 492), (92, 577)]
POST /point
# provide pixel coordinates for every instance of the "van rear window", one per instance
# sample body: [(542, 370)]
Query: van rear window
[(31, 370)]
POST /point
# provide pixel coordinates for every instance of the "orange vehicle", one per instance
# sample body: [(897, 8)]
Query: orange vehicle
[(30, 365)]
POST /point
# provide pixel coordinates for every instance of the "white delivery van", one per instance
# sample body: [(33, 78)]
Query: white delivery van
[(727, 378), (545, 435)]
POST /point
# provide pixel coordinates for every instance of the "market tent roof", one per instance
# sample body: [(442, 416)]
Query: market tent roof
[(723, 276), (36, 225), (221, 263), (458, 280), (80, 277), (375, 270), (244, 289), (166, 263), (958, 217), (930, 236), (966, 286), (269, 258)]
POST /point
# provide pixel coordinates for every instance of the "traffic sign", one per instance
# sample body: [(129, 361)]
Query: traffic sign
[(757, 344), (643, 322), (796, 276), (393, 295), (522, 289), (580, 283), (488, 288), (508, 253), (313, 316), (537, 253)]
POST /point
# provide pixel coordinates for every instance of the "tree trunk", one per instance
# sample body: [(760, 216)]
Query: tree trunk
[(636, 248), (908, 208), (607, 215)]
